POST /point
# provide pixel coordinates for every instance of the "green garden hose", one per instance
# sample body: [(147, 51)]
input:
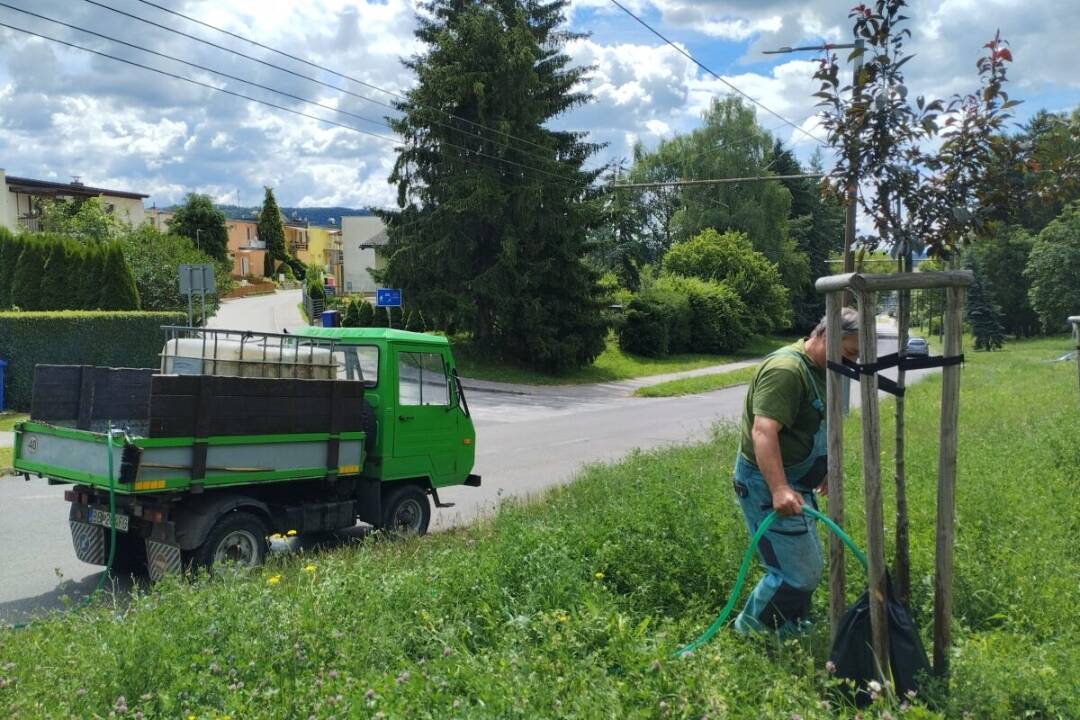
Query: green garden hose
[(112, 534), (744, 568)]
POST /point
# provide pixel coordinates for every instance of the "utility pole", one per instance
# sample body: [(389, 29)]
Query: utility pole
[(853, 187)]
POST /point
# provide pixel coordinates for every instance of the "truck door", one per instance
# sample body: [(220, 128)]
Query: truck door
[(426, 435)]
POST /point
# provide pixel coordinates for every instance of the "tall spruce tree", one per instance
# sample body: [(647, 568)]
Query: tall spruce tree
[(983, 313), (480, 242), (271, 230)]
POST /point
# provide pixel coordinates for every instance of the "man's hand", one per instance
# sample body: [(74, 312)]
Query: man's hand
[(786, 501)]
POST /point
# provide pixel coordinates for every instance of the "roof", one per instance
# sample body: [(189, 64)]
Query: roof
[(370, 333), (29, 185)]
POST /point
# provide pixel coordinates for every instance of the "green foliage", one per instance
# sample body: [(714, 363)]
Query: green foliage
[(29, 270), (117, 291), (203, 224), (729, 258), (91, 276), (10, 249), (597, 583), (58, 284), (154, 257), (285, 270), (113, 339), (413, 321), (351, 316), (315, 290), (657, 323), (719, 320), (477, 246), (366, 314), (84, 220), (983, 313), (1053, 268), (1002, 257), (272, 230), (299, 270)]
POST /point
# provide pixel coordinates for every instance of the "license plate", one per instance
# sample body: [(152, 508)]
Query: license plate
[(102, 517)]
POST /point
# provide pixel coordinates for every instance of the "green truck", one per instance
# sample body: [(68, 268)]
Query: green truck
[(239, 435)]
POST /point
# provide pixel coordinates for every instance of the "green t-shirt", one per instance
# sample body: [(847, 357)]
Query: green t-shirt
[(780, 389)]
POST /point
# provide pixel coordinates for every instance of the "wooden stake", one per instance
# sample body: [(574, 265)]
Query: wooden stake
[(946, 491), (1075, 320), (902, 562), (834, 400), (875, 526)]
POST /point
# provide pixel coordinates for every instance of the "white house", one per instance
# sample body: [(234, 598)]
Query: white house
[(360, 235), (20, 200)]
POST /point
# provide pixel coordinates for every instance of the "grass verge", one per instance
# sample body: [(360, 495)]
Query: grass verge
[(8, 420), (5, 459), (612, 364), (699, 384), (571, 607)]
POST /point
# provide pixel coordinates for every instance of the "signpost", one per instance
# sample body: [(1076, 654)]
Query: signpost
[(197, 279), (388, 298)]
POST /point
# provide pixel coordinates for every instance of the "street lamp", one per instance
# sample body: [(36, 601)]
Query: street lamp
[(853, 188)]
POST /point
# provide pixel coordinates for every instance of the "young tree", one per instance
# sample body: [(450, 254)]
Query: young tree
[(983, 313), (154, 257), (272, 232), (202, 223), (84, 220), (917, 196), (491, 226)]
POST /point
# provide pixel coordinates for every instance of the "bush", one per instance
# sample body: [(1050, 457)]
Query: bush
[(299, 270), (63, 263), (657, 324), (10, 249), (366, 314), (315, 291), (117, 291), (719, 321), (1052, 270), (351, 316), (730, 258), (29, 269), (285, 270), (114, 339)]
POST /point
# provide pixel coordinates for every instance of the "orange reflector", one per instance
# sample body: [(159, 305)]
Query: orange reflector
[(466, 441)]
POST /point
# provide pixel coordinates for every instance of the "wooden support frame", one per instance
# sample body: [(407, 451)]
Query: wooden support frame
[(865, 289), (1074, 320)]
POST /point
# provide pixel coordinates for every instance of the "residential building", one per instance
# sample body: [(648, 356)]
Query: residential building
[(21, 200), (324, 248), (361, 236), (248, 253)]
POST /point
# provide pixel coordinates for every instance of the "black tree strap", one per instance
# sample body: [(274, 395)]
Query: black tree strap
[(853, 370)]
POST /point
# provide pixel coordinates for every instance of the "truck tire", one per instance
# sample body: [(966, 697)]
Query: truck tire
[(237, 537), (406, 510)]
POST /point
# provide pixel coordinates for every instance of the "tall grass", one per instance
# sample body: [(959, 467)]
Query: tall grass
[(573, 605)]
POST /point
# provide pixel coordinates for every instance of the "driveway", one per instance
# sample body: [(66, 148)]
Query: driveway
[(261, 313)]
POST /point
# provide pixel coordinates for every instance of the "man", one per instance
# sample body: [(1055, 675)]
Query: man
[(781, 461)]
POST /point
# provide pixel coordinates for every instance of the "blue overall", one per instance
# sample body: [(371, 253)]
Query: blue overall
[(790, 549)]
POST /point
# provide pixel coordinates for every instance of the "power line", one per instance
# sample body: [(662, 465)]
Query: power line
[(714, 181), (694, 60), (270, 104), (197, 66), (325, 69)]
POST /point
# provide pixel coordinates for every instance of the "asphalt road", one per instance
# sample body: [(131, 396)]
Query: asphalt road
[(525, 443)]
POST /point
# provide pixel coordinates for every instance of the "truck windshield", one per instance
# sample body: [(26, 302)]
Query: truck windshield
[(359, 362)]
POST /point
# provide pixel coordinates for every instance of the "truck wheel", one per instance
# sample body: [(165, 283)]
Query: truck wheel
[(406, 510), (238, 538)]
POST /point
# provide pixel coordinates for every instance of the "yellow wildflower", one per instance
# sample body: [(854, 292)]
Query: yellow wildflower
[(273, 579), (599, 575), (291, 533), (309, 568), (562, 617)]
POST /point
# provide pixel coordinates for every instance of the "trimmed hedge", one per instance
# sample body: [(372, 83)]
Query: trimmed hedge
[(105, 338), (657, 324)]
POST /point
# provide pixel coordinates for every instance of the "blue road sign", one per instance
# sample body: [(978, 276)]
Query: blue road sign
[(387, 297)]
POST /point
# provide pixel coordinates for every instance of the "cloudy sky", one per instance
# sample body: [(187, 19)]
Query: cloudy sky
[(64, 112)]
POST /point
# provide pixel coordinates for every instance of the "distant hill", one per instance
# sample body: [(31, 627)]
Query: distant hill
[(313, 215)]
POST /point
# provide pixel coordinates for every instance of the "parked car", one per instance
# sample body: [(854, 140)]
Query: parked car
[(917, 347)]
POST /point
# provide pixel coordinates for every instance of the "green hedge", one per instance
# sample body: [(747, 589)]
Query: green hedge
[(113, 339)]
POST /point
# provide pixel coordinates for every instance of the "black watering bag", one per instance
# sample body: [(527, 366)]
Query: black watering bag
[(853, 654)]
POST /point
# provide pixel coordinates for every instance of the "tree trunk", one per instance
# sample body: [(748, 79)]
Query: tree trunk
[(902, 562)]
